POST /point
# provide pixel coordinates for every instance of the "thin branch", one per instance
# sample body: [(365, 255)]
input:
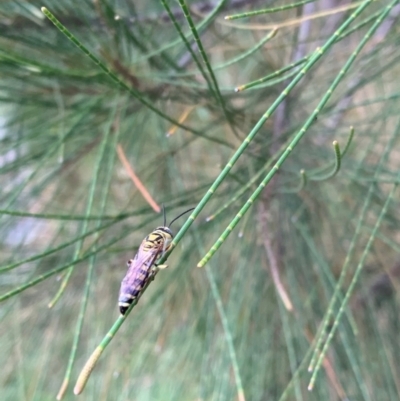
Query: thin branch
[(142, 189)]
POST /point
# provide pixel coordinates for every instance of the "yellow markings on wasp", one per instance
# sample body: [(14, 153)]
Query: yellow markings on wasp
[(87, 370)]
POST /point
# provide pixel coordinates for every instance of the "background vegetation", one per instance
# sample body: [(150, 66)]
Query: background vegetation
[(244, 326)]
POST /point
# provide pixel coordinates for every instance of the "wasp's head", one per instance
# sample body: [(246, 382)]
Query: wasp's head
[(166, 230)]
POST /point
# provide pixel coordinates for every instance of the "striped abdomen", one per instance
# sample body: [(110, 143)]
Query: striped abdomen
[(133, 283)]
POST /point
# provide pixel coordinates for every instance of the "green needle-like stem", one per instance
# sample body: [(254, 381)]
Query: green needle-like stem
[(188, 45), (103, 198), (360, 223), (300, 186), (91, 362), (60, 269), (215, 87), (55, 216), (351, 286), (316, 56), (275, 74), (336, 167), (268, 10), (298, 136), (107, 71)]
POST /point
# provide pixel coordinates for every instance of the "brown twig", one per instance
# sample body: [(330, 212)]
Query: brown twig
[(182, 118), (142, 189), (273, 264), (274, 269)]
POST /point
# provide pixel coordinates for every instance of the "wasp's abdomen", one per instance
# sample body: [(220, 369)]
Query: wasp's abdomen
[(131, 287)]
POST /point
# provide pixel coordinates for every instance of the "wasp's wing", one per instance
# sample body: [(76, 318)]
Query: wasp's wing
[(142, 258), (136, 276)]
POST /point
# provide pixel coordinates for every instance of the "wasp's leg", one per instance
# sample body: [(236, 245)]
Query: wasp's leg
[(160, 267)]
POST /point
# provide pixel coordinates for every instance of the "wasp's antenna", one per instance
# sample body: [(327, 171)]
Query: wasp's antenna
[(176, 218), (164, 214)]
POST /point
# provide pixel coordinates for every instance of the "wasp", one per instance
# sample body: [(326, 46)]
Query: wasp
[(140, 268)]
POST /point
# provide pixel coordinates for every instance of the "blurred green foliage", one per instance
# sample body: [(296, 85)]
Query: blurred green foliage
[(242, 327)]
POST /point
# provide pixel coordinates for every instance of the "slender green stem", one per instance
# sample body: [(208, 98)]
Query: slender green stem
[(314, 173), (200, 27), (203, 54), (325, 268), (17, 332), (247, 53), (225, 64), (188, 45), (50, 152), (336, 167), (296, 139), (272, 75), (55, 216), (302, 367), (56, 249), (227, 332), (89, 207), (348, 143), (338, 159), (78, 330), (367, 248), (351, 286), (358, 26), (108, 72), (302, 60), (268, 10), (241, 191), (384, 238), (227, 204), (300, 186), (103, 198), (345, 268), (359, 223), (251, 182), (62, 288), (91, 362), (258, 126), (225, 325), (52, 272), (289, 339)]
